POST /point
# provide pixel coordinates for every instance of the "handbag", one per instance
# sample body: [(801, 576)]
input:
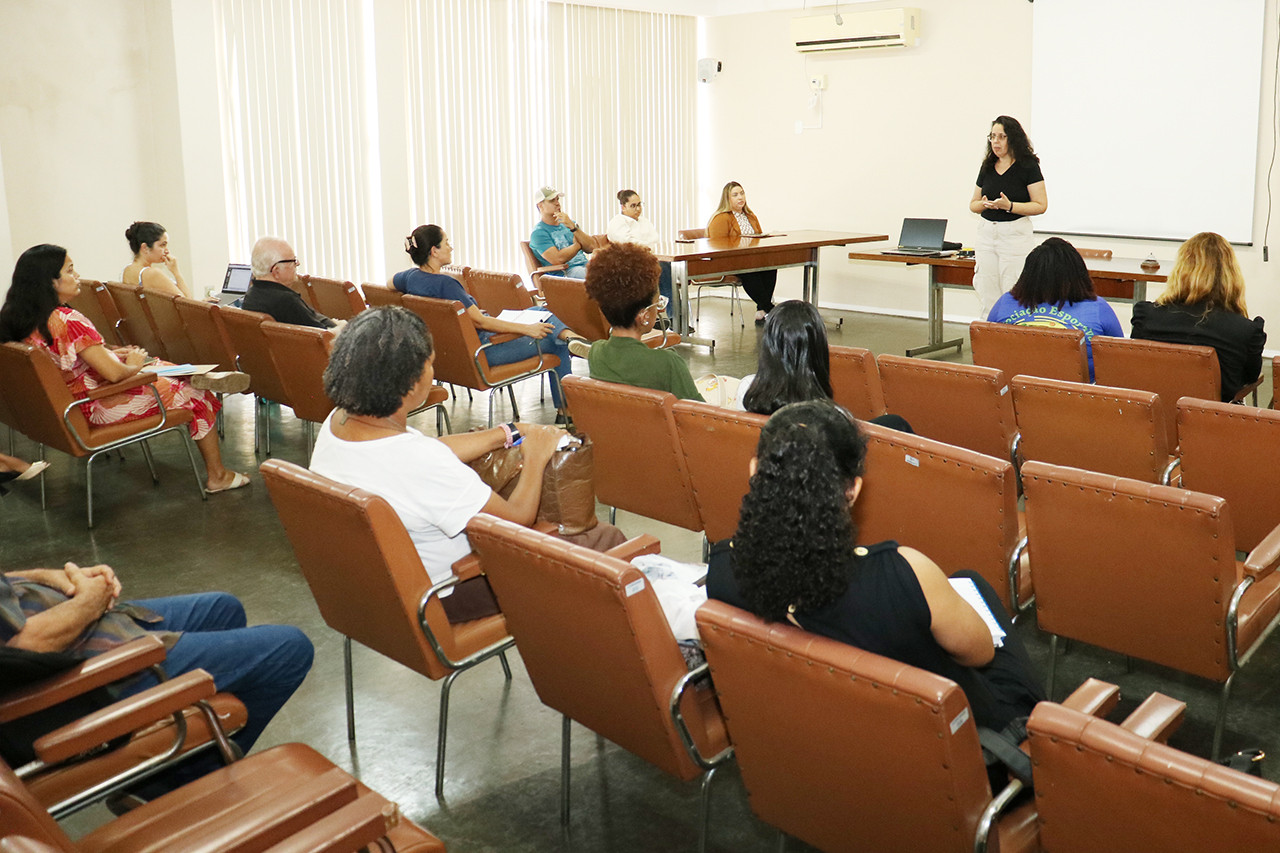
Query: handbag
[(568, 487)]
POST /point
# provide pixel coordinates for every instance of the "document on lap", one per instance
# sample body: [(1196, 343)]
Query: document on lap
[(528, 315), (969, 592)]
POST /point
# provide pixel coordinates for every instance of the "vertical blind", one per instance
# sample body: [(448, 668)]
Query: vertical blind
[(503, 97)]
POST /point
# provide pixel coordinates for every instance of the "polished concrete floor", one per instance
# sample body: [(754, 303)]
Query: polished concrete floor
[(502, 785)]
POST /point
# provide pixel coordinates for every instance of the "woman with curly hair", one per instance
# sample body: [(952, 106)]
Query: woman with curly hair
[(795, 557), (623, 279), (1010, 190), (1203, 304)]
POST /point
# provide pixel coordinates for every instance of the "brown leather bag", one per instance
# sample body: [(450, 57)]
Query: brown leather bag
[(568, 489)]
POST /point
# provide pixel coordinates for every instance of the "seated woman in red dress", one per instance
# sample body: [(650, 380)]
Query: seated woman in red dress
[(35, 312)]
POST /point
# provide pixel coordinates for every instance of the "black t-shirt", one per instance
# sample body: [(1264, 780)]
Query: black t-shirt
[(1013, 183)]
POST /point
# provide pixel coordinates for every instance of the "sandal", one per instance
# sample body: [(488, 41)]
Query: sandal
[(238, 481)]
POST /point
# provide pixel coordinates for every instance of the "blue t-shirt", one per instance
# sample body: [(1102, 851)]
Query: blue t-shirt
[(1093, 317), (434, 285), (546, 236)]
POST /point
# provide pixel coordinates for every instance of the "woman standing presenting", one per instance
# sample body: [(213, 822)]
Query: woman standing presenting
[(1010, 190), (734, 219)]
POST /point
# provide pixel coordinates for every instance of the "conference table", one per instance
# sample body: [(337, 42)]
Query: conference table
[(728, 255), (1114, 279)]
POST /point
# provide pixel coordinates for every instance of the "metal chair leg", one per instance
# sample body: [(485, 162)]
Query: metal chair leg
[(1053, 665), (613, 515), (506, 667), (189, 443), (704, 809), (151, 463), (782, 841), (444, 729), (565, 724), (1222, 718), (42, 492), (351, 693), (515, 410)]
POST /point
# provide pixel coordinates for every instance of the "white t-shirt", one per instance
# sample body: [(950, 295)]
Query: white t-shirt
[(434, 493), (624, 229)]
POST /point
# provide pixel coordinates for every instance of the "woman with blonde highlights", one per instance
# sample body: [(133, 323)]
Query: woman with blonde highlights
[(1203, 304)]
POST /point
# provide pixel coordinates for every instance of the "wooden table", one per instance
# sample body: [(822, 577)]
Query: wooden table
[(724, 256), (1114, 279)]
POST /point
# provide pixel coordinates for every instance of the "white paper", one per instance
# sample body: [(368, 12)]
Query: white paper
[(969, 592), (527, 316)]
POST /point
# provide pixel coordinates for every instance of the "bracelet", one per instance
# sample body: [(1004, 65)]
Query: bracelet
[(507, 440)]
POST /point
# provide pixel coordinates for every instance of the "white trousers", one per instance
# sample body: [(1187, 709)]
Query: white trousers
[(999, 253)]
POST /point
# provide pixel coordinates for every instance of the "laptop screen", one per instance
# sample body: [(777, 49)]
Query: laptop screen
[(922, 233), (237, 278)]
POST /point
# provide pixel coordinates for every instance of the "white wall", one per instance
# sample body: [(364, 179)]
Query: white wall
[(902, 135)]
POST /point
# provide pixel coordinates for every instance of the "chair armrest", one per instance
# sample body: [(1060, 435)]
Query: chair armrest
[(645, 543), (503, 337), (550, 268), (23, 844), (1251, 388), (1093, 697), (1157, 718), (468, 567), (1263, 558), (97, 671), (548, 527), (134, 381), (353, 827), (125, 716)]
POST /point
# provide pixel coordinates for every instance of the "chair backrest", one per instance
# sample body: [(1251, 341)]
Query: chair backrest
[(822, 731), (363, 568), (638, 464), (94, 301), (335, 298), (1101, 787), (718, 445), (1104, 254), (253, 355), (458, 271), (377, 295), (961, 404), (496, 292), (138, 328), (692, 233), (1275, 383), (567, 298), (454, 337), (1118, 431), (957, 506), (22, 817), (37, 395), (1233, 452), (1136, 568), (595, 642), (207, 332), (301, 353), (1030, 350), (1171, 370), (171, 329), (307, 292), (855, 382)]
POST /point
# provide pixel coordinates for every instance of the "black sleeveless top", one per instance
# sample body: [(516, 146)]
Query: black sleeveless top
[(884, 611)]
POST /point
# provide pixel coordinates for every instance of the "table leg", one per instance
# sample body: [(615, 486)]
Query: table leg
[(811, 285), (936, 343), (680, 313)]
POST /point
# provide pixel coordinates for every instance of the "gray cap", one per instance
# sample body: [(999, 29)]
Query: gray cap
[(546, 194)]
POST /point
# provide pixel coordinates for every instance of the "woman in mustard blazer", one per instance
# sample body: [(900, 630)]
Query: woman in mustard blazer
[(733, 218)]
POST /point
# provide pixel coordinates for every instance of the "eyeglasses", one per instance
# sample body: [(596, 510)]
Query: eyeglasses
[(661, 304), (293, 261), (634, 204), (996, 137)]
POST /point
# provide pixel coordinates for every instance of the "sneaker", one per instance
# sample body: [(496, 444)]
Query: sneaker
[(580, 348), (221, 382)]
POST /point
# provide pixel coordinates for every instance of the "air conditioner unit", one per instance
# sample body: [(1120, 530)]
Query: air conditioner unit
[(857, 30)]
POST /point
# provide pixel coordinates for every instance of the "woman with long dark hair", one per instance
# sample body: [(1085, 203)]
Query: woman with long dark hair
[(1010, 190), (795, 557)]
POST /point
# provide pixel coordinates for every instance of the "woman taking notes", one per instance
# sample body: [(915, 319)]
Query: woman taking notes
[(1010, 190), (734, 219)]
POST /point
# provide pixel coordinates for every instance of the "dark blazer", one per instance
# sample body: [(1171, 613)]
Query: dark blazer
[(283, 304), (1237, 339)]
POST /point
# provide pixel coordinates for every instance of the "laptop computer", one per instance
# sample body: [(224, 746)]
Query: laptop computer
[(922, 238), (235, 284)]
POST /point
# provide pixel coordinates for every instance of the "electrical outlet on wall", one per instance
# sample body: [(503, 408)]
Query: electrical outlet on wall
[(818, 82)]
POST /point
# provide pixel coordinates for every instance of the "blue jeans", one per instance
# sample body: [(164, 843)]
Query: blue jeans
[(664, 282), (526, 347), (261, 665)]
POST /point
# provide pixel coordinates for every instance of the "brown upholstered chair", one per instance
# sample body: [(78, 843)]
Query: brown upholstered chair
[(71, 770), (855, 382), (599, 650), (377, 295), (1275, 383), (288, 797), (137, 326), (496, 292), (1031, 350), (1104, 254), (717, 445), (638, 464), (458, 271), (171, 329), (253, 356), (301, 354), (960, 404), (49, 415), (369, 583), (1102, 787), (335, 298), (567, 299), (1171, 370), (1233, 452), (94, 301), (730, 281), (307, 292), (537, 270), (207, 332), (848, 750), (958, 507), (1148, 571), (1118, 431), (460, 358)]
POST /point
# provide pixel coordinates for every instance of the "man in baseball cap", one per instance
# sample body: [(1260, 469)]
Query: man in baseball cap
[(556, 239)]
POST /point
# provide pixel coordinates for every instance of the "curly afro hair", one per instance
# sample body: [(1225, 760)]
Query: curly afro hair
[(623, 279)]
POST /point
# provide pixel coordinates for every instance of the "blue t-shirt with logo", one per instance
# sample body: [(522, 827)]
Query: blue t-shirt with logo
[(546, 236), (1093, 317)]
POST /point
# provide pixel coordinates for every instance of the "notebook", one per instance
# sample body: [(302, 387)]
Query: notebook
[(922, 238), (235, 284)]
